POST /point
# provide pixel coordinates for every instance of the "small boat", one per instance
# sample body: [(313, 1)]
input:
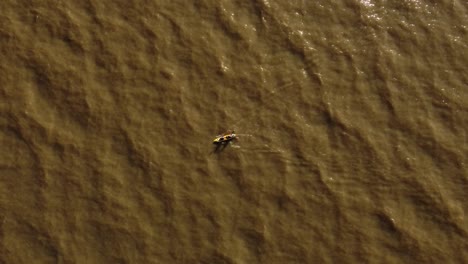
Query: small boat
[(225, 138)]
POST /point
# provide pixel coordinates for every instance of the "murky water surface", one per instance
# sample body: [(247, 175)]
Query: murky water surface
[(352, 120)]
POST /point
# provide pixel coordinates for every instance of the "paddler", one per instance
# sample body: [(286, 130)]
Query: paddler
[(225, 138)]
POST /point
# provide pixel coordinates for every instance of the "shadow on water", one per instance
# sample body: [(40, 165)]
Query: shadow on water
[(218, 148)]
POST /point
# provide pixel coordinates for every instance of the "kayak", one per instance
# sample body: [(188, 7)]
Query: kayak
[(223, 139)]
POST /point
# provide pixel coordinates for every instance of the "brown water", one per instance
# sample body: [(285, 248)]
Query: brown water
[(352, 117)]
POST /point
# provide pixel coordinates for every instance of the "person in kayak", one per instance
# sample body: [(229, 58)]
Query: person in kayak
[(225, 138)]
